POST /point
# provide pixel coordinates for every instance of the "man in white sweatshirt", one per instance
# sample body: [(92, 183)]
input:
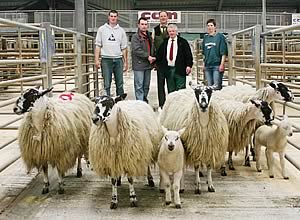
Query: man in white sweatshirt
[(111, 48)]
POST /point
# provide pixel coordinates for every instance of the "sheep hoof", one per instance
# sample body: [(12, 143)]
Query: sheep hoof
[(201, 174), (133, 204), (286, 177), (161, 190), (79, 172), (247, 163), (231, 167), (197, 191), (259, 170), (113, 205), (151, 183), (271, 176), (211, 189), (61, 190), (168, 202), (178, 206), (223, 171), (181, 191), (45, 190), (119, 181)]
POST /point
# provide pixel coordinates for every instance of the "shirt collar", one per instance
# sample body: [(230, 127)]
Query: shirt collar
[(175, 39)]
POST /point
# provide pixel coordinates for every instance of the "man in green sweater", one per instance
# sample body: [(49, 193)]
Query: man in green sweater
[(160, 33), (214, 50)]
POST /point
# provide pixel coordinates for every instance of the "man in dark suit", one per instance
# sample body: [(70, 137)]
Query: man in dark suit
[(174, 58)]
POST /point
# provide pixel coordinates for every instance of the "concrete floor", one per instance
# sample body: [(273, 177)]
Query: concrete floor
[(244, 193)]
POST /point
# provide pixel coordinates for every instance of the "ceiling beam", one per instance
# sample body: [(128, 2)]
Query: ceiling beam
[(220, 5)]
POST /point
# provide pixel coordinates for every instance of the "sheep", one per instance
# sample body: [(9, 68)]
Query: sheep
[(269, 94), (241, 119), (54, 131), (171, 163), (206, 132), (275, 140), (124, 140)]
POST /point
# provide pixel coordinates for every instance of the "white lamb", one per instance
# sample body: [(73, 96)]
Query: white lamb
[(275, 140), (54, 131), (123, 141), (206, 131), (171, 163)]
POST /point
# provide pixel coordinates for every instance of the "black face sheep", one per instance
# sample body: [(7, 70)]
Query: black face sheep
[(206, 131), (124, 140), (54, 131), (275, 140), (171, 163)]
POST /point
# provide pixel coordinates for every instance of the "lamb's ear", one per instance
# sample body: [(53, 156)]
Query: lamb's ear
[(255, 102), (273, 84), (97, 99), (164, 129), (120, 97), (43, 92), (181, 131), (192, 85)]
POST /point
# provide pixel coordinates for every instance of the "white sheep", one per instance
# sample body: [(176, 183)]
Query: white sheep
[(124, 140), (206, 131), (171, 160), (241, 119), (54, 131), (275, 140)]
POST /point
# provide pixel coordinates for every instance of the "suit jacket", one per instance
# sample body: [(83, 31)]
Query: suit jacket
[(184, 56)]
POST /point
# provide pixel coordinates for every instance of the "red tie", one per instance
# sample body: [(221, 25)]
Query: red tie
[(171, 50)]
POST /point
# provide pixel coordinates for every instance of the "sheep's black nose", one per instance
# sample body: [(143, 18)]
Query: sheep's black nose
[(171, 147), (15, 109), (95, 120)]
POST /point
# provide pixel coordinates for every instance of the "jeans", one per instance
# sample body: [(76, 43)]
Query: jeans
[(213, 76), (108, 67), (141, 84)]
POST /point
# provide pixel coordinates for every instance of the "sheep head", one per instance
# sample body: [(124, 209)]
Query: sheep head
[(286, 126), (171, 139), (25, 102), (104, 105), (203, 94), (265, 112), (282, 91)]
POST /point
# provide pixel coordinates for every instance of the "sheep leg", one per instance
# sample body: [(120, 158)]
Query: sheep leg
[(79, 168), (161, 184), (270, 161), (282, 164), (114, 196), (181, 190), (132, 195), (252, 149), (247, 158), (61, 189), (150, 178), (197, 180), (176, 186), (167, 186), (46, 179), (223, 169), (119, 181), (209, 180), (257, 152), (230, 163)]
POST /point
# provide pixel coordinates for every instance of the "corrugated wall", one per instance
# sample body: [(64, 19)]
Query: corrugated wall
[(115, 4)]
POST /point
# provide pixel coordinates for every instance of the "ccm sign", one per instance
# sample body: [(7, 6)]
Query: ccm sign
[(153, 16)]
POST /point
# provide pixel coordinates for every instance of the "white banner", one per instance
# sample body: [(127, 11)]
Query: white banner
[(153, 16), (296, 18)]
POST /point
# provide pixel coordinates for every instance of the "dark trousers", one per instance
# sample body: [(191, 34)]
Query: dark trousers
[(174, 80), (161, 79)]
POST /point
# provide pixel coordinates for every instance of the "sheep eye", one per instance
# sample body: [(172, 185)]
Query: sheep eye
[(166, 138), (176, 139)]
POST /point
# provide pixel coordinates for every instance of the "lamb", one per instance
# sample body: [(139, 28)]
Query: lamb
[(171, 163), (54, 131), (274, 139), (206, 132), (124, 140)]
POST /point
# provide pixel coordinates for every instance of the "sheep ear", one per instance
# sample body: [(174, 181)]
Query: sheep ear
[(120, 97), (255, 102), (181, 131), (192, 85), (43, 92), (164, 129)]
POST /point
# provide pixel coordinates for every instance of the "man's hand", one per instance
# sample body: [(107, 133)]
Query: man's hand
[(151, 59), (97, 64), (125, 66), (188, 70), (221, 68)]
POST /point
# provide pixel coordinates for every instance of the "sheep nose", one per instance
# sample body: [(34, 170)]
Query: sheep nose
[(290, 134), (15, 109), (95, 119), (171, 146)]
